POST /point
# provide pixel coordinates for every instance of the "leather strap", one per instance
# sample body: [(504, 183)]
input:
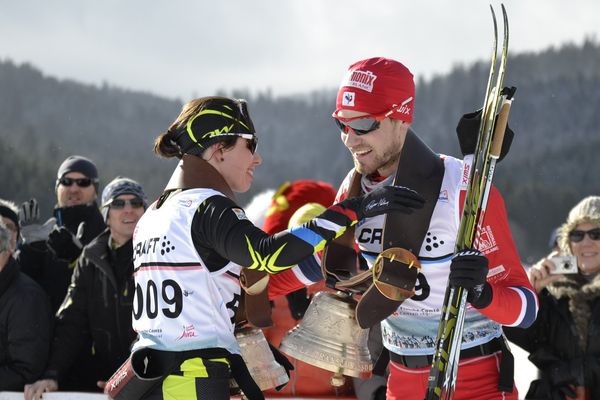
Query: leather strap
[(422, 170)]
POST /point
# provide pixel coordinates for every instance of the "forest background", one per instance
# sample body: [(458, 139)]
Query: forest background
[(550, 167)]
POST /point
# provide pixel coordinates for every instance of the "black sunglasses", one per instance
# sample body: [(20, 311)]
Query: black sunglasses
[(81, 182), (359, 126), (251, 140), (577, 236), (119, 204)]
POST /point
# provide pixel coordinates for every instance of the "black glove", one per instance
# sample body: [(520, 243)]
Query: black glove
[(383, 200), (468, 128), (64, 244), (283, 361), (469, 270), (298, 302), (561, 380)]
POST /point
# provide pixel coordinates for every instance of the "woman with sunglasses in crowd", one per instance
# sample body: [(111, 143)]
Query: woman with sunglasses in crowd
[(96, 312), (192, 243), (563, 341)]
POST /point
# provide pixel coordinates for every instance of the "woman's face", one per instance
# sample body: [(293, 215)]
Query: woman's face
[(238, 165), (587, 250)]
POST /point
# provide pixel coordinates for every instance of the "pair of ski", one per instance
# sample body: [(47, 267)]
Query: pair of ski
[(442, 377)]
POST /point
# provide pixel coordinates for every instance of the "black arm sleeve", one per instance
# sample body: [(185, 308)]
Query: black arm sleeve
[(220, 226)]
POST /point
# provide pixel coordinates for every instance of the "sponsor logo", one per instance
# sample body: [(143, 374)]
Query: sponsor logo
[(404, 108), (433, 242), (465, 175), (443, 195), (368, 235), (239, 213), (485, 241), (376, 203), (151, 246), (497, 274), (185, 203), (348, 99), (188, 331), (122, 375), (187, 293), (360, 79), (218, 132)]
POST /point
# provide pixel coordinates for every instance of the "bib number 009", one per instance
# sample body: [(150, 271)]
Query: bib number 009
[(146, 300)]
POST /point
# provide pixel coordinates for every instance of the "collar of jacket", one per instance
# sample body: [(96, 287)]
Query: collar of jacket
[(580, 294), (193, 172), (8, 275)]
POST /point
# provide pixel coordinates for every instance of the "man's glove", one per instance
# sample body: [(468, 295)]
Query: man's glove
[(469, 270), (383, 200), (64, 244), (29, 220), (468, 128)]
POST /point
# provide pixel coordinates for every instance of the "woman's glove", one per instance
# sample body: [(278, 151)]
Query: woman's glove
[(383, 200)]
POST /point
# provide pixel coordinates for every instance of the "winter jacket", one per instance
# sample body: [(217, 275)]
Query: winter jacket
[(96, 315), (25, 328), (563, 342), (41, 264)]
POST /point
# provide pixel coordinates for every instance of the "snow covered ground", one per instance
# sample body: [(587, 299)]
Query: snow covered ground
[(525, 371)]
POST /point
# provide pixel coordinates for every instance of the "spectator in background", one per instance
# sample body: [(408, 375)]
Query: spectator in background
[(563, 340), (49, 250), (25, 317), (98, 306)]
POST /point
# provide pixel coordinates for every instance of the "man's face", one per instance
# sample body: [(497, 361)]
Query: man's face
[(13, 231), (378, 150), (122, 220), (74, 194)]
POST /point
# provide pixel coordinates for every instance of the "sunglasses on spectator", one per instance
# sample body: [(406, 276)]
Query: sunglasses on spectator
[(577, 236), (81, 182), (251, 140), (364, 124), (119, 204)]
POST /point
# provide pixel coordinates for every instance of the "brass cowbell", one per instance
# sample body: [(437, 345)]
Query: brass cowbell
[(329, 337)]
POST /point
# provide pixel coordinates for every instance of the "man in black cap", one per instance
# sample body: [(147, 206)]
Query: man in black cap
[(49, 250), (99, 303)]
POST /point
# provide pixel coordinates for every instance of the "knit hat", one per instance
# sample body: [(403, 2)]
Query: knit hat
[(290, 197), (117, 187), (378, 86), (220, 118), (587, 210), (78, 164), (9, 210)]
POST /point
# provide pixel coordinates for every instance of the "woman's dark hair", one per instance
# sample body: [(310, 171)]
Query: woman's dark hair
[(175, 141)]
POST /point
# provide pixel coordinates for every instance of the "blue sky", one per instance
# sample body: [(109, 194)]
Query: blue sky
[(185, 48)]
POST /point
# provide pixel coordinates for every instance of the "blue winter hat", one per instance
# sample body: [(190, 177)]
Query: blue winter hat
[(119, 186)]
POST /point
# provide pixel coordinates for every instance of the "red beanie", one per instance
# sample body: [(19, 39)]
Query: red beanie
[(378, 86), (290, 197)]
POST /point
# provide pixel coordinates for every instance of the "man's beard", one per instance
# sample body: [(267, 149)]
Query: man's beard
[(388, 158)]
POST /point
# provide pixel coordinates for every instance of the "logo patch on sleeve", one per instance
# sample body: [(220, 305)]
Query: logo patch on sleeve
[(239, 213)]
